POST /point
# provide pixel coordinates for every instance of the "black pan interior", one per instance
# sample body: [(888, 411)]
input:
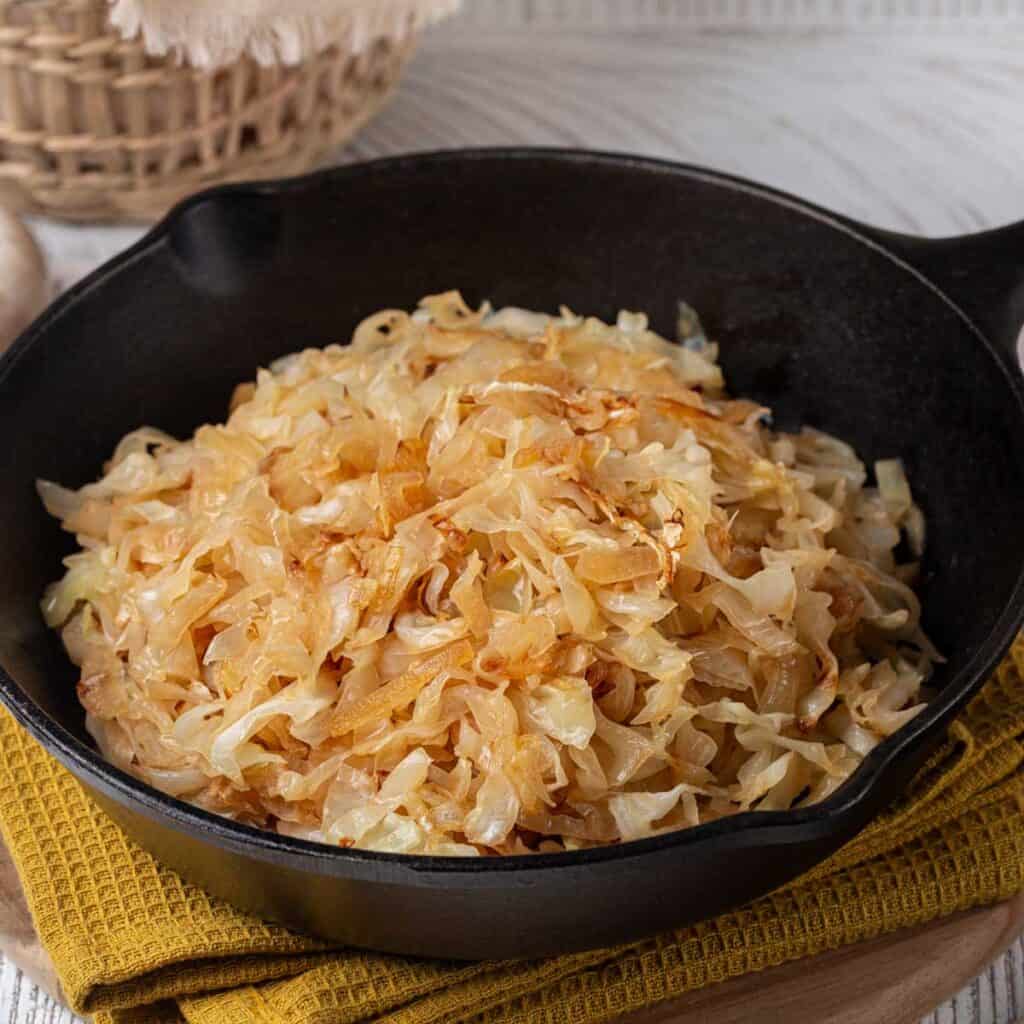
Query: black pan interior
[(812, 320)]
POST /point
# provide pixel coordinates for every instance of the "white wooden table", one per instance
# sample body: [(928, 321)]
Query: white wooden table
[(905, 113)]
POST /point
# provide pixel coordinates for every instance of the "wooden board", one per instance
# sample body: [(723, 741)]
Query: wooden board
[(18, 940), (897, 979)]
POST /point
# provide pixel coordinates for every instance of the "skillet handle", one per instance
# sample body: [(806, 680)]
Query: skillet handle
[(983, 274)]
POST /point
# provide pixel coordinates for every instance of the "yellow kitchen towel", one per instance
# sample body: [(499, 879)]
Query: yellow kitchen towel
[(134, 944)]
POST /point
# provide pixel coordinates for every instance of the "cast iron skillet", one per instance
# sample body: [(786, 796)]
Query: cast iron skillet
[(900, 345)]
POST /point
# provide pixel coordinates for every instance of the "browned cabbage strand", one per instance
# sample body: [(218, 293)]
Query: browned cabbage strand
[(491, 582)]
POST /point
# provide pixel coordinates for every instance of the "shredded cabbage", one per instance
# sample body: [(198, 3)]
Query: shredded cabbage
[(487, 583)]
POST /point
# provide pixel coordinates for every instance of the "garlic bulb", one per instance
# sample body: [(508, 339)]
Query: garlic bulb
[(24, 285)]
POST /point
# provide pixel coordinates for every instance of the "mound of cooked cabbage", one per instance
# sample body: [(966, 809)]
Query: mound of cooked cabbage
[(491, 583)]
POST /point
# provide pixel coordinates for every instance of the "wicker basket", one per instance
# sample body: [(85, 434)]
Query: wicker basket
[(91, 127)]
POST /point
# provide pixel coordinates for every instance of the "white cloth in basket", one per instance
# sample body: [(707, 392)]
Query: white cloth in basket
[(213, 32)]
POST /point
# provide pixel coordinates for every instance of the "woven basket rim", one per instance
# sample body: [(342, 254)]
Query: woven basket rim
[(93, 128)]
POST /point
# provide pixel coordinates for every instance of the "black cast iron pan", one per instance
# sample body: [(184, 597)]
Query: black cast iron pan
[(899, 345)]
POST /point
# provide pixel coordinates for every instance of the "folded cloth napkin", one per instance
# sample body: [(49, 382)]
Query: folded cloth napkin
[(210, 33), (134, 944)]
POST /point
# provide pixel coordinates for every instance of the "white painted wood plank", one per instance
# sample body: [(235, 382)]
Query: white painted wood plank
[(764, 15), (22, 1003)]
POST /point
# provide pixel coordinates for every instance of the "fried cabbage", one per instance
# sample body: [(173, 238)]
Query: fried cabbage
[(491, 582)]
